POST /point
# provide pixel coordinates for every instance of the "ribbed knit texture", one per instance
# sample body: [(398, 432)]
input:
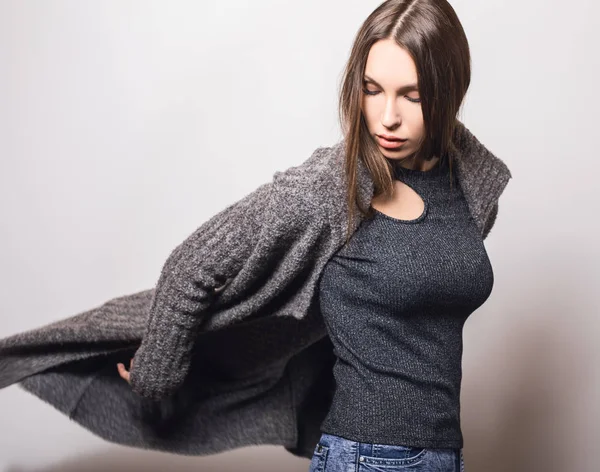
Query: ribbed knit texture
[(395, 300), (187, 286)]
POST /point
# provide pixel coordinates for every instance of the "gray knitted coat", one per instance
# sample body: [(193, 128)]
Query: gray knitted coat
[(230, 348)]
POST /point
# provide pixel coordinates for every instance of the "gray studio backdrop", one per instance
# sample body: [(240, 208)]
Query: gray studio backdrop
[(126, 124)]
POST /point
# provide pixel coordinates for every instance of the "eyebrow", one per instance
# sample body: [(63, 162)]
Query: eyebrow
[(406, 88)]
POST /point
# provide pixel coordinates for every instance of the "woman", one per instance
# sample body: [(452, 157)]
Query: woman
[(396, 299), (324, 310)]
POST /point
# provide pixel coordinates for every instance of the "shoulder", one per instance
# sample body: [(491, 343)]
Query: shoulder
[(318, 179), (296, 212)]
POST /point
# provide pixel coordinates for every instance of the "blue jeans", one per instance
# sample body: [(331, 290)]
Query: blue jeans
[(337, 454)]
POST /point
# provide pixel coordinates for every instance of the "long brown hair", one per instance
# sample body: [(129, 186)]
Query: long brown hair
[(430, 31)]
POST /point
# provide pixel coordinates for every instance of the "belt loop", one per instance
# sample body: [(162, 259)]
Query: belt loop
[(363, 449)]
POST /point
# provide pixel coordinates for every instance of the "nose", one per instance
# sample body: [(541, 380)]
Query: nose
[(391, 117)]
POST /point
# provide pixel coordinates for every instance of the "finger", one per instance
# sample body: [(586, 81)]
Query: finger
[(122, 372)]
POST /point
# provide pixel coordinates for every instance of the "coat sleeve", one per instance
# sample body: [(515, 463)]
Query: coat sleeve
[(270, 219), (187, 285)]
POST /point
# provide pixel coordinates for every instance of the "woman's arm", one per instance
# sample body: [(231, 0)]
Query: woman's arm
[(279, 218), (186, 288)]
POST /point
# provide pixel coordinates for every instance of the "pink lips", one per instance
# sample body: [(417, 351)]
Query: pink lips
[(390, 144), (389, 137)]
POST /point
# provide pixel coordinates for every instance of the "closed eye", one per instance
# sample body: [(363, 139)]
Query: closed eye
[(414, 100)]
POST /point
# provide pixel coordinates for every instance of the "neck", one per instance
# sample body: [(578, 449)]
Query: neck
[(422, 165)]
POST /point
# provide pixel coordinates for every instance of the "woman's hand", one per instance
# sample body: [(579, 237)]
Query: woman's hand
[(123, 372)]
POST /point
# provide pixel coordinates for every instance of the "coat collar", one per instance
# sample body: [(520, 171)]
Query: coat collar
[(482, 176)]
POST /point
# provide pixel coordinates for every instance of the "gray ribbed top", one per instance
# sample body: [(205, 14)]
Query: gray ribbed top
[(395, 300)]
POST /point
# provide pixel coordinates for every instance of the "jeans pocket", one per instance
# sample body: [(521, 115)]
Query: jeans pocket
[(319, 459), (390, 456)]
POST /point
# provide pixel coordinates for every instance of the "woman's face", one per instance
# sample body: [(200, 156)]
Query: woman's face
[(391, 102)]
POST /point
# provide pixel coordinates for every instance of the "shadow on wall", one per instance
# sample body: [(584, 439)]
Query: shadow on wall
[(543, 374), (248, 459)]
